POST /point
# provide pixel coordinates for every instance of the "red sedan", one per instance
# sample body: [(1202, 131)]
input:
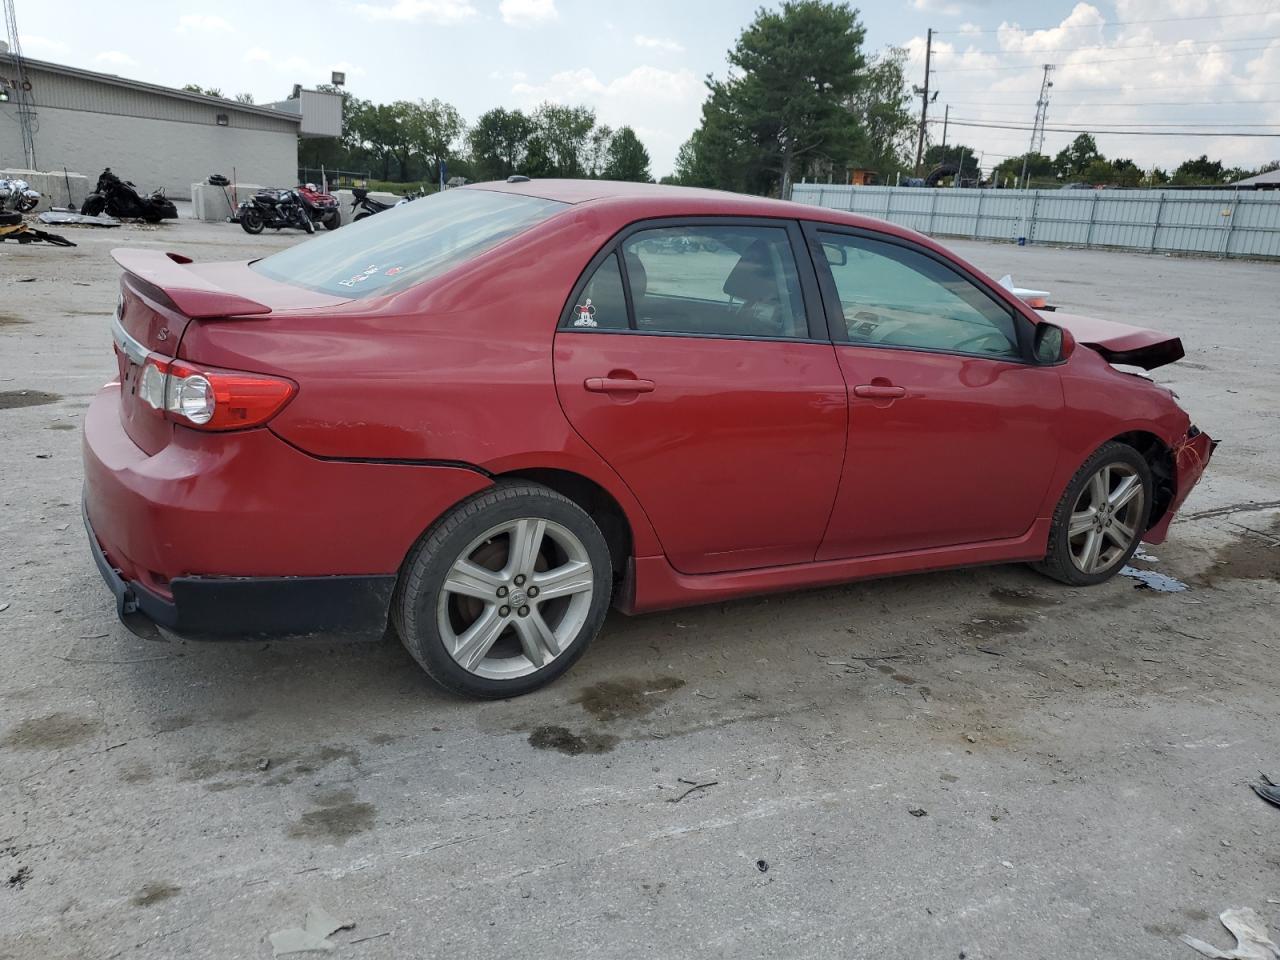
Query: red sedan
[(484, 416)]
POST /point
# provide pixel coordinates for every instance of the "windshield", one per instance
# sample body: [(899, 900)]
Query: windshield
[(407, 244)]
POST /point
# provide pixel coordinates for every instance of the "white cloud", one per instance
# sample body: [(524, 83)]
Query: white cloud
[(43, 46), (202, 23), (443, 12), (257, 55), (944, 7), (115, 58), (526, 13), (658, 43)]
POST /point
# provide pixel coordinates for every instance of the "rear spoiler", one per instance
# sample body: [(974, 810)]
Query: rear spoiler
[(192, 294)]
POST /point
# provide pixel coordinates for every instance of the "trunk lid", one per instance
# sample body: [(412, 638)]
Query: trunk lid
[(1121, 343), (160, 294)]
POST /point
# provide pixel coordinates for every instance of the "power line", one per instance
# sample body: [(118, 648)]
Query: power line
[(1089, 63), (1218, 124), (1112, 23), (1129, 46), (1113, 103), (1132, 133), (1145, 85)]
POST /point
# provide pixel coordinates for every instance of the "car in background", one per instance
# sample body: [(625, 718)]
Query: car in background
[(484, 417)]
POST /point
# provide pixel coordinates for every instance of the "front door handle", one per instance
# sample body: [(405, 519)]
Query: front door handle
[(879, 391), (618, 385)]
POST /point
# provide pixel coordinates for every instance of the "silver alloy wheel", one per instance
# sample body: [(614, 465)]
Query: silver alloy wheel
[(1105, 519), (516, 598)]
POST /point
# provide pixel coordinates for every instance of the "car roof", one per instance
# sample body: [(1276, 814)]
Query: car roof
[(662, 200)]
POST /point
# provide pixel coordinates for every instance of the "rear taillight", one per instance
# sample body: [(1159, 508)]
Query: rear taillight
[(206, 398)]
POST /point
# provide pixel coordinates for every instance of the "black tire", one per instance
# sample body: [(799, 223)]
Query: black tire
[(361, 215), (1059, 563), (417, 599), (94, 204), (332, 220), (27, 204), (306, 224), (251, 220)]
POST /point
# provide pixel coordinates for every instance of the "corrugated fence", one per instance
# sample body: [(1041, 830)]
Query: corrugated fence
[(1216, 222)]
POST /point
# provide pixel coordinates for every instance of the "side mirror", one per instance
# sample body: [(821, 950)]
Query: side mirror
[(1052, 344), (836, 253)]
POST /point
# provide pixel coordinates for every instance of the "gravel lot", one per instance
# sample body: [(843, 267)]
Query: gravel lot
[(1082, 756)]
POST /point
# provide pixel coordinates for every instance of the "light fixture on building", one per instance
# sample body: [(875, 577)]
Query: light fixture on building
[(338, 78)]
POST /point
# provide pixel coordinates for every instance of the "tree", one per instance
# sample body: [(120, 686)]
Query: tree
[(498, 143), (432, 128), (597, 153), (558, 147), (952, 153), (627, 158), (881, 111), (1009, 173), (244, 98), (1074, 159), (203, 91), (796, 69), (1199, 170)]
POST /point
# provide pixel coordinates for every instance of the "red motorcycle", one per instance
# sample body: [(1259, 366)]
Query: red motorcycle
[(322, 208)]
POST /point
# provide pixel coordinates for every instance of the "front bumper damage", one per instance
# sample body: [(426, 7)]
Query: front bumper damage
[(1191, 455)]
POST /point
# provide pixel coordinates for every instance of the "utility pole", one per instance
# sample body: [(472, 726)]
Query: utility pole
[(946, 115), (924, 99), (1037, 128)]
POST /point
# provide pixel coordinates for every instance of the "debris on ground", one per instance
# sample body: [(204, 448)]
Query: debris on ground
[(311, 936), (918, 812), (264, 763), (691, 786), (1268, 790), (66, 217), (1252, 939), (762, 866)]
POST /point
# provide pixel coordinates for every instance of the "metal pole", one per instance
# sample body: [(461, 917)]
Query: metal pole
[(933, 208), (1088, 237), (946, 115), (1155, 228)]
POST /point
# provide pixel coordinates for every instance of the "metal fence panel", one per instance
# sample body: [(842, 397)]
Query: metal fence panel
[(1216, 222)]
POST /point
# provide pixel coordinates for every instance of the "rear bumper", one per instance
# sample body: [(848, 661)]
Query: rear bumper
[(242, 534), (1191, 455)]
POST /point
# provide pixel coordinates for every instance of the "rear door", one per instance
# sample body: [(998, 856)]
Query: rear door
[(952, 435), (694, 358)]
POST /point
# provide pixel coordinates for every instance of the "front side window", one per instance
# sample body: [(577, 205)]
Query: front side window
[(715, 281), (407, 244), (891, 295)]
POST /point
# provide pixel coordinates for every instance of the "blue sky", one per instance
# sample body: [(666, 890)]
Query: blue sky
[(644, 63)]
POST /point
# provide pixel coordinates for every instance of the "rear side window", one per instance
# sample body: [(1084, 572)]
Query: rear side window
[(715, 281), (602, 304), (407, 244)]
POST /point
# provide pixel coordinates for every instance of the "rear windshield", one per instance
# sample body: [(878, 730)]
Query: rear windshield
[(407, 244)]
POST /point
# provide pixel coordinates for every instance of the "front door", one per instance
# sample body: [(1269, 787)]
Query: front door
[(688, 362), (951, 425)]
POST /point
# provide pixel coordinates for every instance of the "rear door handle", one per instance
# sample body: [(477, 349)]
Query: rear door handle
[(618, 385), (877, 391)]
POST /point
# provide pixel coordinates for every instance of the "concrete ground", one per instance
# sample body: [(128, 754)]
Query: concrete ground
[(1077, 760)]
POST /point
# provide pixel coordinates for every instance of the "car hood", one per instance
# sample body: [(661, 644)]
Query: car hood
[(1120, 342)]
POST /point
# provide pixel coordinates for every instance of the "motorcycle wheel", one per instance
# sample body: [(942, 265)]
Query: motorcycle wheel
[(307, 225), (27, 204), (94, 204), (362, 214), (332, 220), (251, 220)]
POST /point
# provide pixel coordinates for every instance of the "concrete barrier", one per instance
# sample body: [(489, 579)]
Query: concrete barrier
[(52, 186), (211, 203), (345, 198)]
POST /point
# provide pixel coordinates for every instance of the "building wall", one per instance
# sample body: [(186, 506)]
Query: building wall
[(152, 137)]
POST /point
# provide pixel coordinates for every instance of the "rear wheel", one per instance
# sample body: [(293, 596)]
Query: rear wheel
[(504, 593), (362, 214), (332, 220), (1101, 518), (251, 220), (94, 204)]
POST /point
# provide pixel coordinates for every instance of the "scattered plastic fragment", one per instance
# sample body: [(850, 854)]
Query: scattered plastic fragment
[(312, 936), (918, 812), (762, 866), (1252, 940), (1151, 580), (1268, 790)]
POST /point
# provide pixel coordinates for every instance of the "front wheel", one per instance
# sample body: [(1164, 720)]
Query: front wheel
[(362, 214), (305, 222), (332, 220), (251, 220), (505, 592), (94, 204), (1101, 518)]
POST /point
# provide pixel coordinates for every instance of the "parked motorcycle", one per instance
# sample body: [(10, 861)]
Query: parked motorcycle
[(18, 195), (275, 209), (121, 198), (360, 200), (321, 207)]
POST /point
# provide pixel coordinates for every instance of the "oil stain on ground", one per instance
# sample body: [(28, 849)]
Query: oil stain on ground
[(16, 399), (9, 320), (986, 626), (154, 893), (626, 698), (336, 818), (1025, 599), (58, 731), (280, 769), (1252, 555), (571, 744)]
